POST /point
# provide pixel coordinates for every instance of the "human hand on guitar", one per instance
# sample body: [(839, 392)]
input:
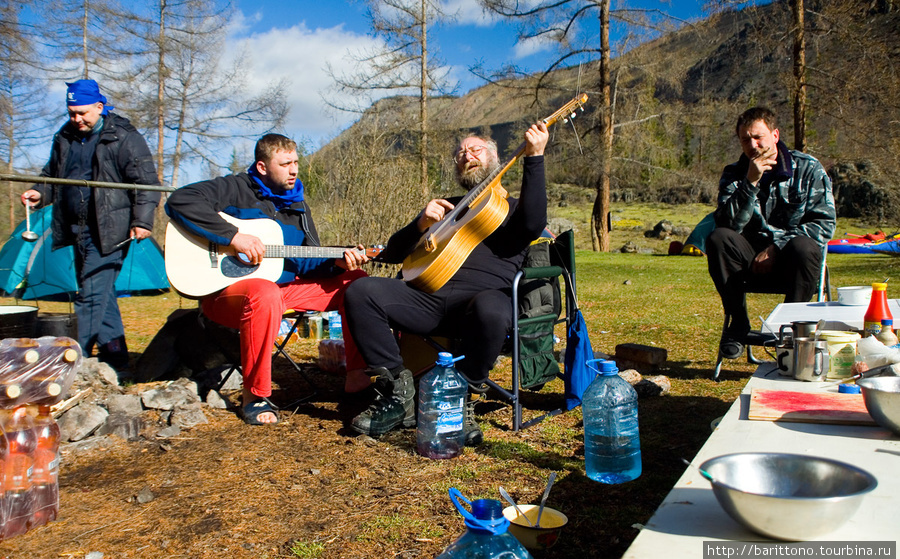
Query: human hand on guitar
[(250, 246), (433, 212), (353, 258), (536, 138)]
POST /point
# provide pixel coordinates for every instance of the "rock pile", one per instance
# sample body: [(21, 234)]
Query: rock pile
[(98, 404)]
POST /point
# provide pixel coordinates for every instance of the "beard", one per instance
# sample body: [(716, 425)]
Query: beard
[(476, 173)]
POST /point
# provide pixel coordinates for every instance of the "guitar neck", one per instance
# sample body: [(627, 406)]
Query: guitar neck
[(288, 251)]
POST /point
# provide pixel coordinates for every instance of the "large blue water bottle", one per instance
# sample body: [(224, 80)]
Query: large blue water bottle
[(612, 444), (442, 403), (485, 535)]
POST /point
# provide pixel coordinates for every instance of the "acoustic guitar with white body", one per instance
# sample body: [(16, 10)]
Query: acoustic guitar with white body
[(197, 267)]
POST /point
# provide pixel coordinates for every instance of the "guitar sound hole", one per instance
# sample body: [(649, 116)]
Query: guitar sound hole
[(462, 212), (234, 268)]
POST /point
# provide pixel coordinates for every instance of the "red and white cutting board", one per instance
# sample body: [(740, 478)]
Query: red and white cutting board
[(808, 407)]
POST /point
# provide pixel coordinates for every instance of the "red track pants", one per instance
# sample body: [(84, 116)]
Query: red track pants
[(256, 306)]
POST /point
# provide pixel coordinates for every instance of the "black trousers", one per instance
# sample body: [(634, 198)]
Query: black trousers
[(795, 273), (479, 318)]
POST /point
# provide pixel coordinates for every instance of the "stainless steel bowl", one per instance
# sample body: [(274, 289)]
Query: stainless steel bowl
[(882, 398), (788, 496)]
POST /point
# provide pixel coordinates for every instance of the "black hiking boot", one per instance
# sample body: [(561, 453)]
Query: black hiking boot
[(394, 404), (473, 434)]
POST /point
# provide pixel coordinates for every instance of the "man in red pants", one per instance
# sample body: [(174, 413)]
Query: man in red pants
[(269, 189)]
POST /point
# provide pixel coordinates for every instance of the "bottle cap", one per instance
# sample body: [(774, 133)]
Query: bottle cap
[(848, 388), (603, 366), (887, 321), (446, 359), (878, 286)]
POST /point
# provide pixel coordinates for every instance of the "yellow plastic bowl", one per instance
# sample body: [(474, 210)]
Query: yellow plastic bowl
[(538, 539)]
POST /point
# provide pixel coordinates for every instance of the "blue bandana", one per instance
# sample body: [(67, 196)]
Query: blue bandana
[(85, 92), (280, 200)]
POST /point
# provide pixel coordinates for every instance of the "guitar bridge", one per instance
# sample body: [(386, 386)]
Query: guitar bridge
[(213, 255), (429, 243)]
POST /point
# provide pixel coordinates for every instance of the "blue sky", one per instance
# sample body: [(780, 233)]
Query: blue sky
[(295, 39)]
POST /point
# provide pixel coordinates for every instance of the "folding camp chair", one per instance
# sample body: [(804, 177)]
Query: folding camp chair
[(769, 339), (532, 336)]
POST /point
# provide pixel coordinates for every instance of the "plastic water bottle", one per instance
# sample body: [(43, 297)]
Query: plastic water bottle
[(18, 494), (45, 472), (612, 445), (442, 403), (485, 535), (335, 326)]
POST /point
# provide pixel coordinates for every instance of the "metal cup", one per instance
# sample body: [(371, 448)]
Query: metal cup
[(810, 359), (784, 358), (798, 328)]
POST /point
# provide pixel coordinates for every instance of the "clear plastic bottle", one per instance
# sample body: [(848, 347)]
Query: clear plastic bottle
[(442, 402), (612, 446), (19, 429), (486, 533), (4, 451), (45, 472), (335, 326)]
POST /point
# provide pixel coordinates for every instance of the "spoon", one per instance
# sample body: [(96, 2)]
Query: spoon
[(537, 523), (819, 326), (28, 234), (509, 500), (703, 472)]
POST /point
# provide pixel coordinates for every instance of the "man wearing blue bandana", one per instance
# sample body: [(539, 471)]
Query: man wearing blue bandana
[(774, 217), (96, 144), (269, 189)]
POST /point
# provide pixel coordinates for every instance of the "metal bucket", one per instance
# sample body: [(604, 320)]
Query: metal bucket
[(17, 321), (58, 325)]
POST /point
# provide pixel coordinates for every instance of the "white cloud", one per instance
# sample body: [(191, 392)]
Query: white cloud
[(300, 56), (468, 12), (527, 47)]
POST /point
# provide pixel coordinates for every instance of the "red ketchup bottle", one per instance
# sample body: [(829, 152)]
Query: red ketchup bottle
[(877, 311)]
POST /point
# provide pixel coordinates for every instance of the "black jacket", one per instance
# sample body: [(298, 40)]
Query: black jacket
[(122, 155)]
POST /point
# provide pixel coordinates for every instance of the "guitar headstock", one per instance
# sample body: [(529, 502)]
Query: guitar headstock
[(568, 110), (374, 251)]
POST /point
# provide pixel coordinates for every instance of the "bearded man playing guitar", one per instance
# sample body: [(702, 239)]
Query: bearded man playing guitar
[(474, 305), (268, 190)]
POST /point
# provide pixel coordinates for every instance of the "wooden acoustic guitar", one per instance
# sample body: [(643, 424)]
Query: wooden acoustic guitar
[(197, 267), (445, 245)]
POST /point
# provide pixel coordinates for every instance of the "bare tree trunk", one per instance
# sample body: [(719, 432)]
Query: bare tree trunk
[(600, 213), (423, 104), (160, 91), (84, 40), (799, 77), (12, 194)]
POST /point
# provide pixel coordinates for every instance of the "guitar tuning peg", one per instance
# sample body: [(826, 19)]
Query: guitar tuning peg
[(573, 115), (565, 120)]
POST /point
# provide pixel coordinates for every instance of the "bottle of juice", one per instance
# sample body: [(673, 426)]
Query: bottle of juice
[(877, 311), (45, 472), (17, 491)]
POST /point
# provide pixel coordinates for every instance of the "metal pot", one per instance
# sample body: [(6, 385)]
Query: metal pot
[(17, 321)]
